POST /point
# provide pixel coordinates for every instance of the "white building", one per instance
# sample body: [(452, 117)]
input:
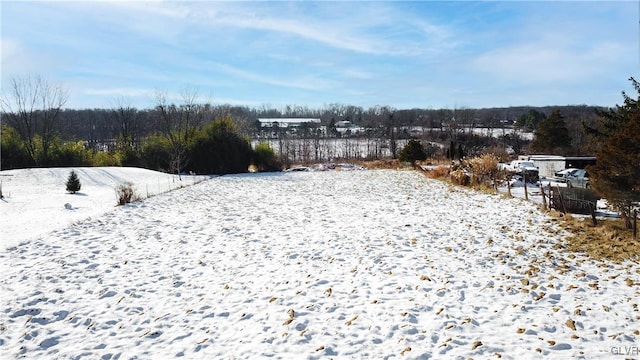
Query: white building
[(287, 122), (274, 127), (549, 164)]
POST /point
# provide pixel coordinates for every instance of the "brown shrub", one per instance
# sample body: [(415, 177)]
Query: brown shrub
[(381, 164), (126, 193), (499, 152), (460, 177), (485, 167), (438, 172)]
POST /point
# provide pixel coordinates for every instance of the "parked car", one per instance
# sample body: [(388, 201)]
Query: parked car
[(561, 175), (520, 168), (578, 178)]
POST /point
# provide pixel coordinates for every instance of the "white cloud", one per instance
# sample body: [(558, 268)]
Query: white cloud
[(373, 29), (118, 92), (304, 81), (376, 52), (10, 48), (18, 59), (552, 58)]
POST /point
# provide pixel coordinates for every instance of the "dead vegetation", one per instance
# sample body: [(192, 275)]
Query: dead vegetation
[(609, 240), (381, 164)]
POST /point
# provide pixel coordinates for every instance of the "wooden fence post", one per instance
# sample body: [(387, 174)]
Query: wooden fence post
[(524, 179), (564, 209), (592, 208), (544, 198), (635, 224)]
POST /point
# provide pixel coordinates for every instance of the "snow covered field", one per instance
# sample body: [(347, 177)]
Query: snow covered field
[(35, 199), (334, 264)]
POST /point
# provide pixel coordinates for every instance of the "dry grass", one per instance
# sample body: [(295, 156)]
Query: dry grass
[(609, 240), (459, 177), (439, 172), (381, 164)]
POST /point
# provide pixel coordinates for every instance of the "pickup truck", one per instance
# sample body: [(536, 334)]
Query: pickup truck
[(523, 167)]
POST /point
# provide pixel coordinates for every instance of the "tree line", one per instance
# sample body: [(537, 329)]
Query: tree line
[(38, 131)]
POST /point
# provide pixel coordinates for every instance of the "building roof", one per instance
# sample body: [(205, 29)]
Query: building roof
[(289, 120)]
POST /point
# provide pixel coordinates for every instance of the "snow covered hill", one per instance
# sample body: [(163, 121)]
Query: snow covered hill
[(34, 199), (332, 264)]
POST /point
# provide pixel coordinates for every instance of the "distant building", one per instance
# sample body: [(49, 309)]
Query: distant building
[(549, 164), (287, 122), (348, 128), (273, 126)]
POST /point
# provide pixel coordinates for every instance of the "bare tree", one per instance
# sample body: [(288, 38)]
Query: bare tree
[(391, 130), (179, 124), (33, 109), (128, 125)]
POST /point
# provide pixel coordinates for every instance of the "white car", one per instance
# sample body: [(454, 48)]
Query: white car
[(561, 175), (578, 178), (524, 167)]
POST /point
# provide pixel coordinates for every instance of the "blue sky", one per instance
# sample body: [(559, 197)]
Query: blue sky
[(423, 54)]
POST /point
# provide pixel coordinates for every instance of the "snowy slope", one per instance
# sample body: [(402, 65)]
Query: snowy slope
[(35, 199), (374, 264)]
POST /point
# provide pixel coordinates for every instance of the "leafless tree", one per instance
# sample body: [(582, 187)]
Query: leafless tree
[(128, 125), (33, 109), (179, 124)]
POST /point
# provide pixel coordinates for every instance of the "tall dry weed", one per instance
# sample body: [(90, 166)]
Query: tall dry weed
[(484, 167), (438, 172), (460, 177)]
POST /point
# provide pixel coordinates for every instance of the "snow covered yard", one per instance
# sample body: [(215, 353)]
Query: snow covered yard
[(334, 264), (35, 199)]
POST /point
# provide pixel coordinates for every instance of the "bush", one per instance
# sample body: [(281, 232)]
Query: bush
[(265, 158), (73, 183), (13, 154), (499, 152), (412, 152), (439, 172), (156, 152), (68, 154), (126, 194), (102, 158), (460, 177), (484, 167), (219, 149)]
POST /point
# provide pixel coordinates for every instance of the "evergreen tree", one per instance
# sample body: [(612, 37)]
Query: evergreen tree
[(551, 135), (218, 149), (264, 158), (412, 152), (616, 175), (73, 183), (530, 120)]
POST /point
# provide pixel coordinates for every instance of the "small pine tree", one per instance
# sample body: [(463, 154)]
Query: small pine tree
[(73, 183), (412, 152)]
